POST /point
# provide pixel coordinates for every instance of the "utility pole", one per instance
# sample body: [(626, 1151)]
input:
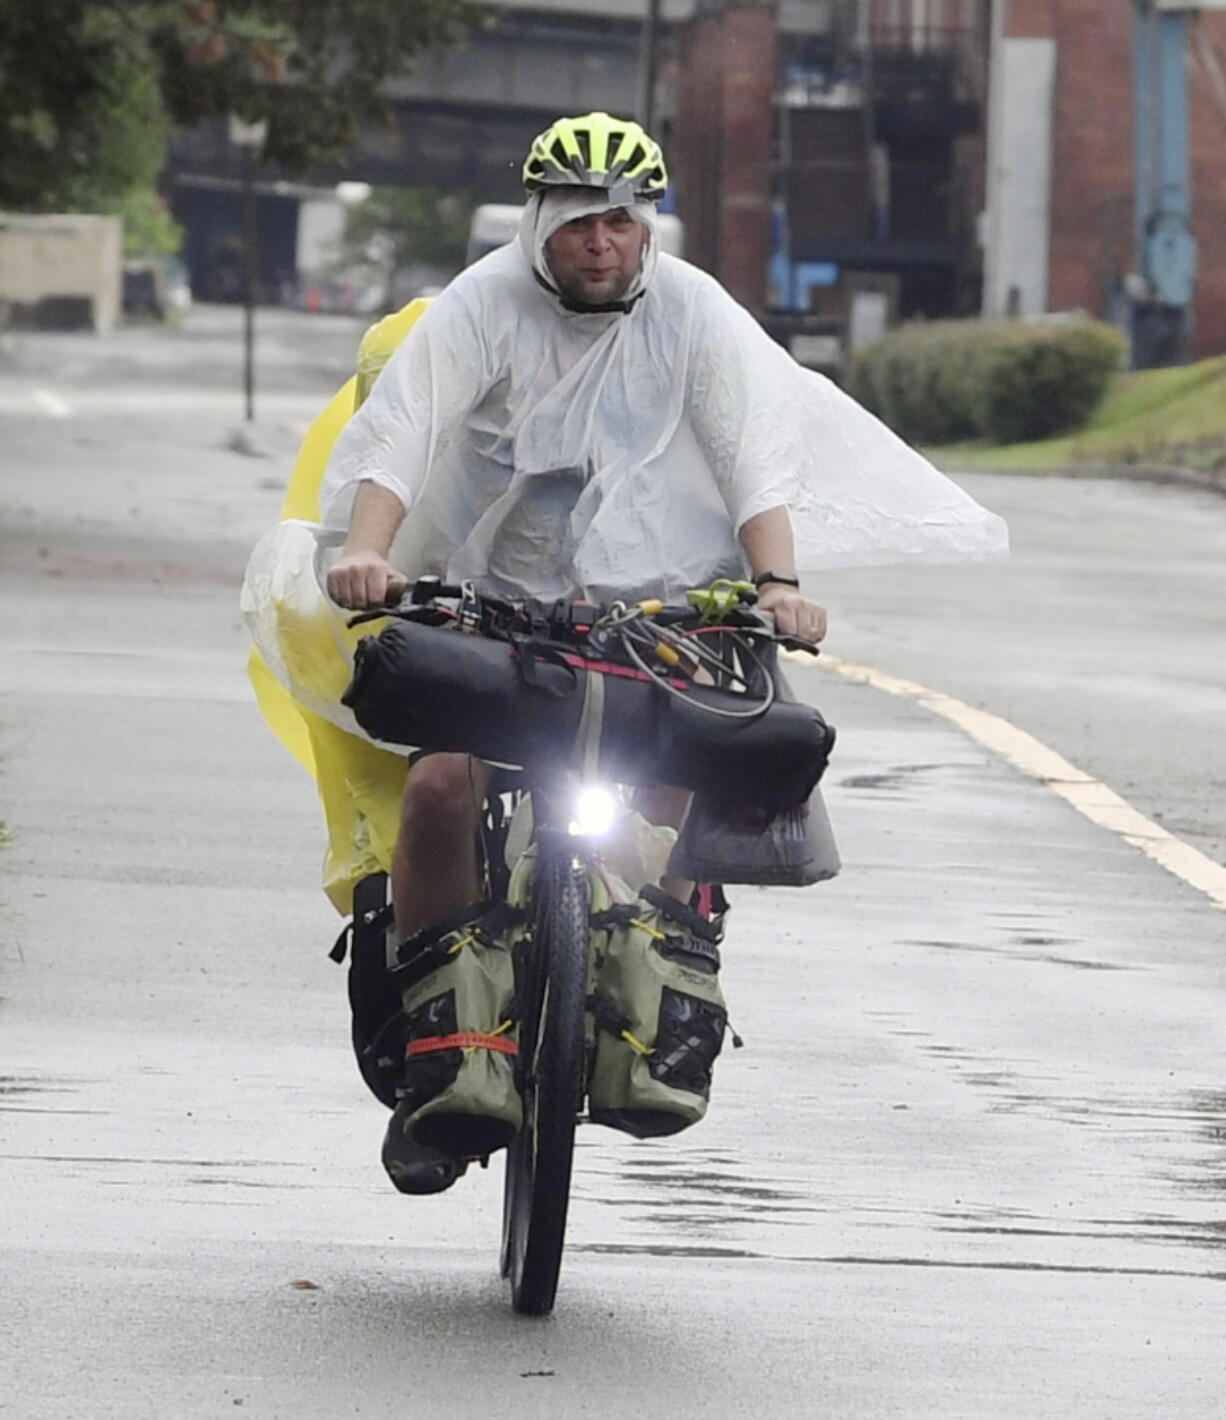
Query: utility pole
[(648, 44), (249, 139)]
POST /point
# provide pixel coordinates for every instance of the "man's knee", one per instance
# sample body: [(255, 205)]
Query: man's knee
[(441, 789)]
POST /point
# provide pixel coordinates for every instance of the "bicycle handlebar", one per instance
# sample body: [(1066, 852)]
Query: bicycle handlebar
[(734, 610)]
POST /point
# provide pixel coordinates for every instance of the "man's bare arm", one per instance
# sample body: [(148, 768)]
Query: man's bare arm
[(767, 540), (363, 576)]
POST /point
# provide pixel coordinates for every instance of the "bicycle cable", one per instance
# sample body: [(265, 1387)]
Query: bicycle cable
[(661, 679)]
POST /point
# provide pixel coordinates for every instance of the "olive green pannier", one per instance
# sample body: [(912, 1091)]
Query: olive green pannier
[(459, 1088), (659, 1014)]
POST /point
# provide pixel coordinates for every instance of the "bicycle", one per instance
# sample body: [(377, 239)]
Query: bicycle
[(715, 653)]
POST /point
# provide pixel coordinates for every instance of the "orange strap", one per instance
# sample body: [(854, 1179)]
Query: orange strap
[(462, 1040)]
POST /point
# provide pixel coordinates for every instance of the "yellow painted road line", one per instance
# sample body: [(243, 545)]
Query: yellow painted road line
[(1086, 794)]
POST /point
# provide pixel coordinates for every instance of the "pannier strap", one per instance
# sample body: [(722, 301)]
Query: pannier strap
[(462, 1040), (378, 920), (620, 914), (702, 938), (608, 1018), (527, 651), (428, 936), (483, 921), (679, 913)]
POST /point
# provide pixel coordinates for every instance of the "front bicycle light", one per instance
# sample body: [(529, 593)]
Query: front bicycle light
[(593, 811)]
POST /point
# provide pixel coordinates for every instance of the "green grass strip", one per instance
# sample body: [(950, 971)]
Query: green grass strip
[(1158, 418)]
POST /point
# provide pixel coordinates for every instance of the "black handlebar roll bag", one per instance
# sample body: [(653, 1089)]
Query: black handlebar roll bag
[(439, 688)]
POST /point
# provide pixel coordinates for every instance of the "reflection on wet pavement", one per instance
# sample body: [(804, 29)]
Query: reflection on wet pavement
[(688, 1205), (1083, 964), (128, 1171), (672, 1199), (890, 781), (959, 1084), (20, 1094)]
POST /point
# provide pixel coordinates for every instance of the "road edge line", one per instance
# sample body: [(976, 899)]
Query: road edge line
[(50, 403), (1089, 796)]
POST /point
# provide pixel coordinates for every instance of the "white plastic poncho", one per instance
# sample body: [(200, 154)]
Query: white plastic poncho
[(545, 452)]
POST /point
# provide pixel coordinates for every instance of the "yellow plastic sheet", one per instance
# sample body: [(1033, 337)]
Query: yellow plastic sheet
[(360, 785)]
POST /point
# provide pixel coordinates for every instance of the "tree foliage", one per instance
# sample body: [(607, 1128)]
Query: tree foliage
[(314, 69), (81, 114), (90, 88)]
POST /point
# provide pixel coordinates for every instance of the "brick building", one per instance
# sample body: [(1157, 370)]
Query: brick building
[(849, 152), (1061, 169)]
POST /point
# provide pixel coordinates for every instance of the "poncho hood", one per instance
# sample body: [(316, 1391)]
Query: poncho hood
[(552, 208)]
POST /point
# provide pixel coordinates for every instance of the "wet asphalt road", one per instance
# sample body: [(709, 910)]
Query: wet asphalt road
[(971, 1162), (1104, 635)]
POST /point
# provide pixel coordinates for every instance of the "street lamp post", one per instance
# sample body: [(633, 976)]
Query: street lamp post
[(649, 38), (249, 139)]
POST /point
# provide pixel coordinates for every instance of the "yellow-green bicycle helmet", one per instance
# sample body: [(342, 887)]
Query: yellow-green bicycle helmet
[(598, 150)]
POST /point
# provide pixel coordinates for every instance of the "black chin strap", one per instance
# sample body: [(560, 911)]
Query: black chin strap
[(604, 309)]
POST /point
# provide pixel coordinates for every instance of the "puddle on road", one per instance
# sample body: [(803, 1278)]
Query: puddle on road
[(662, 1250), (27, 1094), (988, 1220), (753, 1197), (675, 1250), (1207, 1172), (34, 1094), (691, 1195), (693, 1204), (14, 1086), (1007, 949), (894, 780)]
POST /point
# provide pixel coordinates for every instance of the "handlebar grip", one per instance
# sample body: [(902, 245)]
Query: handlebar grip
[(798, 643), (425, 589)]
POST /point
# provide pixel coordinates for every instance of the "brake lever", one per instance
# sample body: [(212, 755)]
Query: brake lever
[(798, 643), (402, 611)]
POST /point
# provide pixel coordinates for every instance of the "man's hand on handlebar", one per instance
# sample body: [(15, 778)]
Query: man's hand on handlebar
[(365, 579), (794, 614)]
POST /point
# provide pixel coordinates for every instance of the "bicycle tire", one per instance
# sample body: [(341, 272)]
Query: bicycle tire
[(537, 1189)]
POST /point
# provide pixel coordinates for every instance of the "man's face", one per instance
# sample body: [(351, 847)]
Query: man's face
[(595, 258)]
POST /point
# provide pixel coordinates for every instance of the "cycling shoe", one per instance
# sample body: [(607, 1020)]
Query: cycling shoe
[(413, 1167)]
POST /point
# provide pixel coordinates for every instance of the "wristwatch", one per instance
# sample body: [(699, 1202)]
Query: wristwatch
[(787, 579)]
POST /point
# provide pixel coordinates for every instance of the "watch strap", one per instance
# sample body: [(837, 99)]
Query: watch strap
[(787, 579)]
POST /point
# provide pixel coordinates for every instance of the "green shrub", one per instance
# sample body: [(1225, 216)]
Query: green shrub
[(1006, 381), (1048, 383), (910, 380)]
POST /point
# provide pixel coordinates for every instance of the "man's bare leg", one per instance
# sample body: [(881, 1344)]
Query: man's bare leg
[(435, 868), (667, 806)]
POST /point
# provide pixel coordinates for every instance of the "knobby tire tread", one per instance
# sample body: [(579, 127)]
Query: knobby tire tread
[(544, 1161)]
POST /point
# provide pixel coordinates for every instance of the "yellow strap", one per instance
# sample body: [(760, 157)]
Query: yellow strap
[(637, 1043), (649, 929), (461, 944), (502, 1030)]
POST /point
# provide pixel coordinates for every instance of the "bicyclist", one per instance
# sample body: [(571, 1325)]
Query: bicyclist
[(580, 414)]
